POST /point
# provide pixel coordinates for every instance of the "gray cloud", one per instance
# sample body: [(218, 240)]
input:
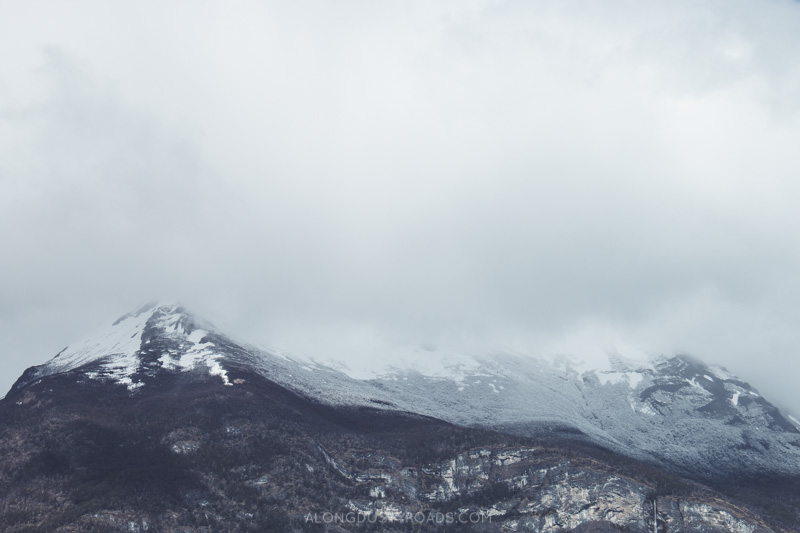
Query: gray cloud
[(343, 179)]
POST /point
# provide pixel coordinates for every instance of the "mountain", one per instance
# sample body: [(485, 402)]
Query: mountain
[(162, 422), (673, 411)]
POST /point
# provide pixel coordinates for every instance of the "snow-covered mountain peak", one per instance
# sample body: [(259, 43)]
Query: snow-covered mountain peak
[(157, 335)]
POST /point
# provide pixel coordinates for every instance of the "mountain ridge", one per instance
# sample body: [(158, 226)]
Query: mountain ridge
[(536, 446), (673, 411)]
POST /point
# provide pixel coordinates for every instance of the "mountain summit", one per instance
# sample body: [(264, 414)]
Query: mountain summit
[(136, 346)]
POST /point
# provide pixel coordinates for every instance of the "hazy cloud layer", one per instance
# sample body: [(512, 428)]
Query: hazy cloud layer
[(343, 178)]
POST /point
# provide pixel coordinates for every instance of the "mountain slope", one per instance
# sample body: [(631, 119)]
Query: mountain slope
[(186, 452), (686, 419), (674, 411)]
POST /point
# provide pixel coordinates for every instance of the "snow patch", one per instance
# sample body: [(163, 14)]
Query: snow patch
[(641, 407), (631, 378), (196, 336), (735, 398), (721, 373), (129, 383), (215, 369), (120, 342)]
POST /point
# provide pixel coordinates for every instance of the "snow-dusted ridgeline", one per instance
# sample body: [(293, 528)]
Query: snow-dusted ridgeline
[(671, 410)]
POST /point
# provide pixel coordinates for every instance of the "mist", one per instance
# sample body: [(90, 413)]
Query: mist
[(351, 180)]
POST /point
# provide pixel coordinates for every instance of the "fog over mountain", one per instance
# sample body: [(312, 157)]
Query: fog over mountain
[(359, 180)]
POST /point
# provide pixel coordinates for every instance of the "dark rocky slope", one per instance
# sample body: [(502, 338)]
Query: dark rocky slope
[(185, 452)]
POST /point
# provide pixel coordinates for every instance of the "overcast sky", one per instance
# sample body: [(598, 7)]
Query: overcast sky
[(339, 179)]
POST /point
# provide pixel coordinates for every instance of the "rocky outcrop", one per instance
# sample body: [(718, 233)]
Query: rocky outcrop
[(513, 490)]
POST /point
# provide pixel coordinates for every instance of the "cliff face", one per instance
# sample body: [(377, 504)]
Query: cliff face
[(531, 489), (195, 454)]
